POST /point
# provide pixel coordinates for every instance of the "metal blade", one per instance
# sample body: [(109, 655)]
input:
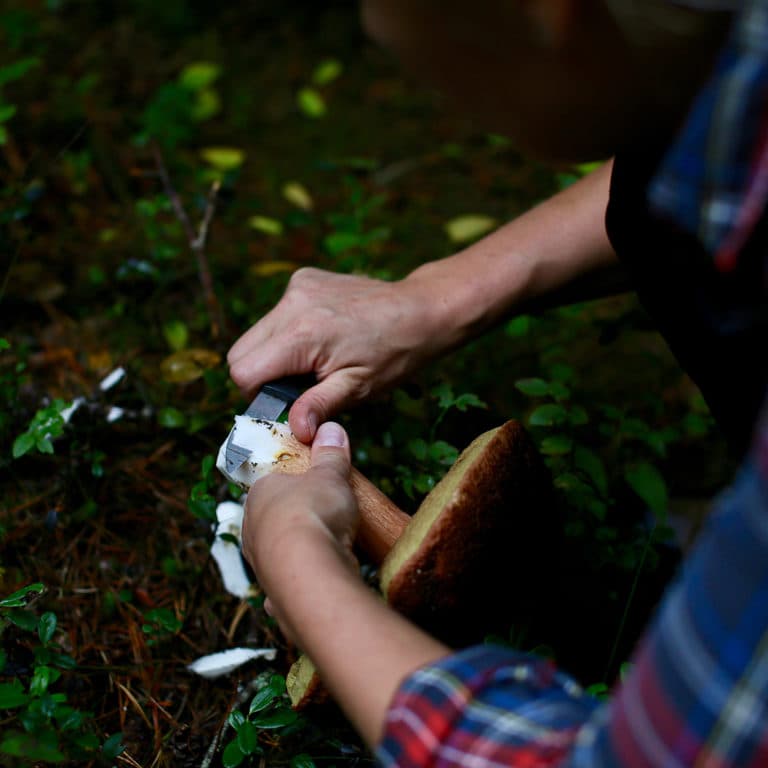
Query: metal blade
[(264, 406)]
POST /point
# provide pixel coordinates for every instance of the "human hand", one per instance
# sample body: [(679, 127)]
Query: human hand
[(302, 522), (357, 334)]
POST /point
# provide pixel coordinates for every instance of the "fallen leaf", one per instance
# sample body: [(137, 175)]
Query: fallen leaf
[(297, 194), (269, 268), (188, 364), (223, 158), (266, 225), (469, 227), (311, 102), (326, 71)]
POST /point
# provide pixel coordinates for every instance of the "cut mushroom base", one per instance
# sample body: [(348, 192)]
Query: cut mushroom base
[(275, 449)]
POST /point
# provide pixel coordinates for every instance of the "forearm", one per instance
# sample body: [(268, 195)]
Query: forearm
[(361, 648), (541, 252)]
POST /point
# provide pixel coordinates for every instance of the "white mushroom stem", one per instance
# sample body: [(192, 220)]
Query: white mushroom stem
[(274, 448)]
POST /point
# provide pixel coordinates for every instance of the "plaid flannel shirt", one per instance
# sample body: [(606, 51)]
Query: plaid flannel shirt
[(698, 690)]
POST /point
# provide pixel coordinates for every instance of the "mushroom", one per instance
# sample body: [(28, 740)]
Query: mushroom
[(473, 538), (275, 449)]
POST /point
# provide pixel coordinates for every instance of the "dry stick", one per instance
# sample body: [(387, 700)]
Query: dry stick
[(196, 240)]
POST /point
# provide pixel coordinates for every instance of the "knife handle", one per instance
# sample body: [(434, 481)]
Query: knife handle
[(289, 388)]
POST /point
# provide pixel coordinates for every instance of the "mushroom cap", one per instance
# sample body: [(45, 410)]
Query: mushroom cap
[(477, 533)]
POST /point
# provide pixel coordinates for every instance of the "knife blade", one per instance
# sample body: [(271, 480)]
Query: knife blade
[(270, 402)]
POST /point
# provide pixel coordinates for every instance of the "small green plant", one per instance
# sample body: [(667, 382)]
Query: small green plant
[(160, 624), (9, 73), (432, 457), (46, 425), (202, 502), (268, 711), (43, 727), (352, 236)]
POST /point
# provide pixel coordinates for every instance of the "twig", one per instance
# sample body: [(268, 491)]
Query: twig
[(242, 697), (196, 240)]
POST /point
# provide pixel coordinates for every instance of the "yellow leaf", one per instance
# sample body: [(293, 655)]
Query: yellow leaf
[(311, 102), (469, 227), (269, 268), (223, 158), (188, 364), (266, 225), (297, 193)]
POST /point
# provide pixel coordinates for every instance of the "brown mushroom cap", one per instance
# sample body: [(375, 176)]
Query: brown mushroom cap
[(474, 535)]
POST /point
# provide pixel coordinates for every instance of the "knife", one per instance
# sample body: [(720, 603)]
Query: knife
[(272, 400)]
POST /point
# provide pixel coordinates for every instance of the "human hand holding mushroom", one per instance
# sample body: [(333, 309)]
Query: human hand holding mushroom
[(297, 535), (475, 532)]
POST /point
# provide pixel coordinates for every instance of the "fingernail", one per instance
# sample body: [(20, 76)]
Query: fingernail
[(330, 434), (312, 423)]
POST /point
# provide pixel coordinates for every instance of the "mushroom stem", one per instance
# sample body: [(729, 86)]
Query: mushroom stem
[(381, 521)]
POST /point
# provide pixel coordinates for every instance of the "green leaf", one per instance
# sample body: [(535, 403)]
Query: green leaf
[(172, 418), (247, 738), (4, 344), (7, 111), (443, 452), (113, 746), (236, 719), (277, 720), (40, 746), (22, 596), (577, 416), (298, 195), (419, 448), (266, 225), (46, 627), (23, 444), (207, 465), (533, 387), (592, 465), (199, 75), (647, 482), (338, 242), (556, 445), (12, 695), (42, 678), (17, 69), (223, 158), (233, 755), (207, 104), (302, 760), (176, 334), (468, 400), (548, 415), (326, 71), (462, 229), (311, 103), (518, 326), (23, 619), (262, 699)]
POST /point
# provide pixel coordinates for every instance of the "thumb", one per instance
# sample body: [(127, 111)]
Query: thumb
[(320, 403), (330, 449)]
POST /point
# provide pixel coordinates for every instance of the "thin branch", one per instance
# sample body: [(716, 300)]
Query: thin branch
[(197, 240)]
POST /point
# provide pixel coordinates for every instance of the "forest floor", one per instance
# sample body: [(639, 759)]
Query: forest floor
[(114, 515)]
